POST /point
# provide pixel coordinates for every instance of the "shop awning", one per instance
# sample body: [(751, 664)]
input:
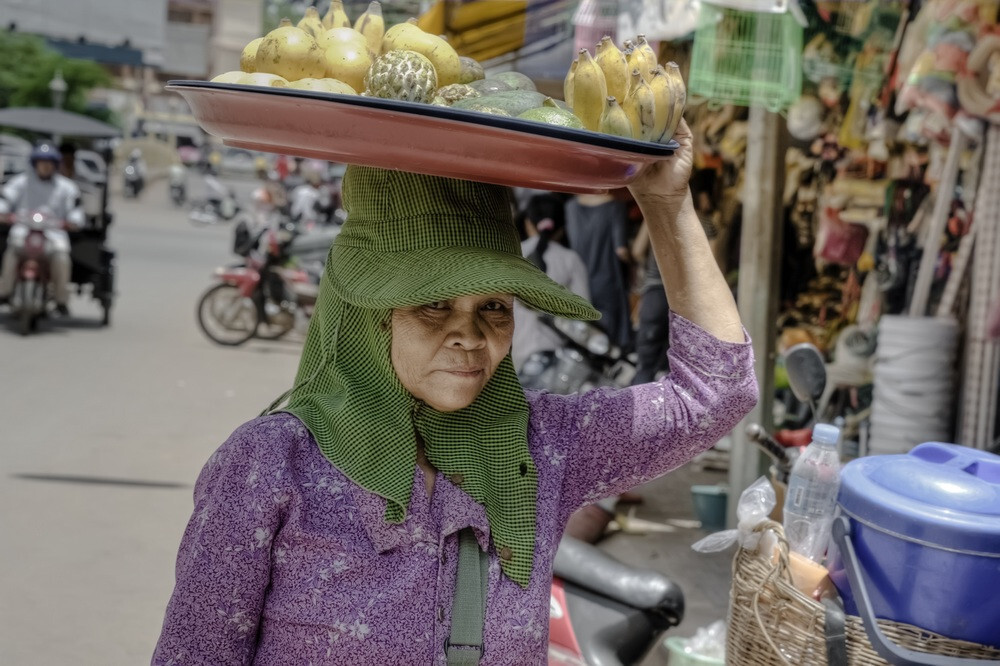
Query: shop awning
[(56, 122)]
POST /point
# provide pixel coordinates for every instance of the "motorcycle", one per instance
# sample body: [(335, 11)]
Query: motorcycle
[(134, 181), (261, 297), (219, 204), (178, 185), (603, 612), (586, 360), (30, 298)]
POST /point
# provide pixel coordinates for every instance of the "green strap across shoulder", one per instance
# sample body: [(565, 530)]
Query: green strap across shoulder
[(468, 609)]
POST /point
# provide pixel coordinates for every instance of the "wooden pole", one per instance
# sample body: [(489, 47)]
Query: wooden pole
[(760, 261)]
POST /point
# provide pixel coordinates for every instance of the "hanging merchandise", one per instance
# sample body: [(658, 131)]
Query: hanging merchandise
[(663, 20), (593, 20), (747, 58)]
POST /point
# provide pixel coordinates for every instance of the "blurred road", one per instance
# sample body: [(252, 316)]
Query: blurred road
[(102, 434)]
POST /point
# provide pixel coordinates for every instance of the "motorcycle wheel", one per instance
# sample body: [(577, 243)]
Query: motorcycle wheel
[(105, 312), (275, 327), (226, 317), (26, 322)]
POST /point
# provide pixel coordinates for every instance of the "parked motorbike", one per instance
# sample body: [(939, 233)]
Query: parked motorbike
[(219, 204), (603, 612), (261, 296), (30, 299), (586, 360)]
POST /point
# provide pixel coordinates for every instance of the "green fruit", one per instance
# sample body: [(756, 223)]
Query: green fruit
[(552, 116), (403, 75), (482, 105), (516, 80), (471, 70), (515, 102), (490, 86), (556, 103)]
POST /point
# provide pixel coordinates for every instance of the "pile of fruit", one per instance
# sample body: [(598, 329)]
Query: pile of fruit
[(622, 93)]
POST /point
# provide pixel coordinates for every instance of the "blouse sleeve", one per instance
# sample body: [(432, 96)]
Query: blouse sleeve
[(611, 440), (224, 561)]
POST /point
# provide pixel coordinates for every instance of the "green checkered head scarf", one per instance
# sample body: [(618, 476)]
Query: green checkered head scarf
[(411, 240)]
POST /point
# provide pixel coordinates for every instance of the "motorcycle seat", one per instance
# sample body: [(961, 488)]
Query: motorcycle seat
[(590, 568)]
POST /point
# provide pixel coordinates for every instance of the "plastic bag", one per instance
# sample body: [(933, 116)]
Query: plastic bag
[(709, 642), (756, 504)]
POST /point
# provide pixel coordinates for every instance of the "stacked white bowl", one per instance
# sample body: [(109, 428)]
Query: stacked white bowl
[(915, 375)]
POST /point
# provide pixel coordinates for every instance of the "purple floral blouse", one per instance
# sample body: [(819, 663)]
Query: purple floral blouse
[(286, 562)]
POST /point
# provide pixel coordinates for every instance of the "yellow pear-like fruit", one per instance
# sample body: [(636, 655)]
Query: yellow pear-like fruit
[(372, 26), (568, 83), (336, 17), (249, 56), (409, 37), (589, 91), (678, 95), (292, 53), (229, 77), (347, 57), (614, 121), (264, 79), (662, 100), (612, 62), (323, 85), (640, 108)]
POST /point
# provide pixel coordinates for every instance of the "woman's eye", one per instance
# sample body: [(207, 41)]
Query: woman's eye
[(496, 306), (437, 305)]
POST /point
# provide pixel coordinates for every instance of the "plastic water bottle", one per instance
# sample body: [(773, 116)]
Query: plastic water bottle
[(811, 500)]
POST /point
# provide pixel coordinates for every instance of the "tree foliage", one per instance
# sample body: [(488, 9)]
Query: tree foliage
[(28, 67)]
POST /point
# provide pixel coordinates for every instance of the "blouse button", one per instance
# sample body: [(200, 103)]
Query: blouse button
[(506, 554), (457, 479)]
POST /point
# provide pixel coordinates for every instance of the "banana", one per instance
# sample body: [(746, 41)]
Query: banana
[(648, 56), (568, 83), (640, 107), (589, 91), (634, 59), (312, 23), (612, 62), (678, 92), (372, 26), (663, 101), (336, 17), (614, 121)]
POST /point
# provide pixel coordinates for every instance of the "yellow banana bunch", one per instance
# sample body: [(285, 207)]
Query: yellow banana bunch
[(372, 26), (312, 23), (614, 121), (648, 56), (663, 101), (590, 91), (640, 107), (678, 95), (612, 62), (336, 17), (633, 58), (568, 83)]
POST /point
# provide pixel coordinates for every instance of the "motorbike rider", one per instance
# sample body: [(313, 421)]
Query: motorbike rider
[(42, 187), (309, 198), (139, 165)]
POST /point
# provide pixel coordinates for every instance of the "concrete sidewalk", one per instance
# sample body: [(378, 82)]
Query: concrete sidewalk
[(705, 578)]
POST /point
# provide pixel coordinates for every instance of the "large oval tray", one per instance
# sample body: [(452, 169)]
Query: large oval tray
[(421, 138)]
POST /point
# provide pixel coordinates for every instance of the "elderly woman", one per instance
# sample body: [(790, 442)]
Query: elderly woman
[(331, 532)]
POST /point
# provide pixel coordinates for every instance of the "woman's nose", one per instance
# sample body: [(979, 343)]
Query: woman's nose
[(465, 331)]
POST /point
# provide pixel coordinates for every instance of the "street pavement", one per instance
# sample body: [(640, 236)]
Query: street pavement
[(104, 430)]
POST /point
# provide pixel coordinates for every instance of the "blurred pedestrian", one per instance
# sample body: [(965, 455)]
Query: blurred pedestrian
[(597, 229), (544, 225)]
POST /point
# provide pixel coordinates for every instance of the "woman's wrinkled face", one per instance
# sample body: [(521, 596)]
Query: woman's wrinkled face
[(445, 352)]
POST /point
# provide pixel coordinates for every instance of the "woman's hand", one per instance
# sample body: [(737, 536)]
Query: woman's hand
[(668, 178)]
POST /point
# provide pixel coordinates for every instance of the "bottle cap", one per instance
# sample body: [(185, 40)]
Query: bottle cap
[(824, 433)]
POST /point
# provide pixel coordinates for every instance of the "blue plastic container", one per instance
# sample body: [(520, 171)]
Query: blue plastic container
[(926, 530)]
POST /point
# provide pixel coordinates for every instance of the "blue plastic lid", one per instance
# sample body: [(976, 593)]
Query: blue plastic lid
[(941, 494)]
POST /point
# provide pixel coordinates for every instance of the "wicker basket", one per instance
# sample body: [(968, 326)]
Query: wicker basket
[(771, 623)]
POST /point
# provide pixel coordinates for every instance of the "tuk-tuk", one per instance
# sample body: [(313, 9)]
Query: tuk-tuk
[(93, 261)]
